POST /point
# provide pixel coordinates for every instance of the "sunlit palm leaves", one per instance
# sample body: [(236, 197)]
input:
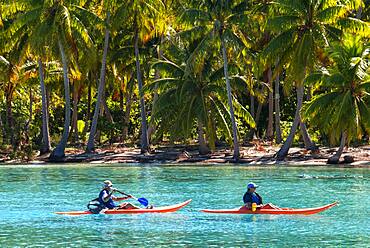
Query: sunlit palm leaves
[(346, 96)]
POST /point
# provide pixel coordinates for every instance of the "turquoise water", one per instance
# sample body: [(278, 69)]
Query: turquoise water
[(30, 194)]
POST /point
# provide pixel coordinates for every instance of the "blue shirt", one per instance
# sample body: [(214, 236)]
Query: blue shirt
[(108, 204), (252, 198)]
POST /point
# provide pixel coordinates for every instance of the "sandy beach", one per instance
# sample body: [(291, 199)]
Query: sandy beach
[(257, 154)]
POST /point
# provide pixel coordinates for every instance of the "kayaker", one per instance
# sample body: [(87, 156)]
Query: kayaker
[(107, 198), (251, 196)]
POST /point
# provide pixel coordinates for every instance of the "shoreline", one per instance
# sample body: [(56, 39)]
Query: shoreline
[(261, 155)]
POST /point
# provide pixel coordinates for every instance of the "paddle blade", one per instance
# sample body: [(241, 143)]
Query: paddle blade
[(143, 201)]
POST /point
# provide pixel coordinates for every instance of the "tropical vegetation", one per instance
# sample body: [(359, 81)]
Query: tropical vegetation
[(84, 73)]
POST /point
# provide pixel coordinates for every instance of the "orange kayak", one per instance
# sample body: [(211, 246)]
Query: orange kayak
[(269, 210), (166, 209)]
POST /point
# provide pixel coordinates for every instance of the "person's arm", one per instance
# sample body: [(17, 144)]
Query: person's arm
[(106, 196), (247, 200)]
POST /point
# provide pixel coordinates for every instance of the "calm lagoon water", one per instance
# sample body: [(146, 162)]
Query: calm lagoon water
[(30, 194)]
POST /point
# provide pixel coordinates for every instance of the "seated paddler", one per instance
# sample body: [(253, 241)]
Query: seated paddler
[(252, 200), (107, 199)]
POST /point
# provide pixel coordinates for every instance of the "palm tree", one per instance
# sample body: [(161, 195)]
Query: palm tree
[(90, 143), (55, 25), (216, 22), (141, 13), (18, 44), (304, 28), (345, 93), (196, 96)]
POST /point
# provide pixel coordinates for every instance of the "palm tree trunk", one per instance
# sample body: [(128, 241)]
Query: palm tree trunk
[(121, 100), (308, 143), (90, 143), (126, 117), (28, 125), (252, 105), (10, 118), (283, 152), (335, 159), (203, 148), (75, 113), (2, 129), (277, 111), (106, 109), (257, 119), (144, 133), (229, 97), (88, 111), (270, 124), (152, 125), (45, 146), (58, 152)]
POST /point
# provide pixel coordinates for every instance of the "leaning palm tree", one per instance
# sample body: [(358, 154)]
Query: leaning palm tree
[(305, 27), (345, 96)]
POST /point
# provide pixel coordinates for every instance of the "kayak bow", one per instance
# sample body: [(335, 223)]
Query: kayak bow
[(244, 210), (165, 209)]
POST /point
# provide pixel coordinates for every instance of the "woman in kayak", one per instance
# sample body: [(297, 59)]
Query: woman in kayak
[(106, 198), (251, 197)]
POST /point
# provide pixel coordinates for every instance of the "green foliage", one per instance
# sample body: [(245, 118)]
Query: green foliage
[(180, 56), (344, 92)]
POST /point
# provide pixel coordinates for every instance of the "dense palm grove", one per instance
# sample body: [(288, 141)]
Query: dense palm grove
[(85, 73)]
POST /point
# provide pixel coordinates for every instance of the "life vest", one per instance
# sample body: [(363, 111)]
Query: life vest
[(108, 204), (252, 197)]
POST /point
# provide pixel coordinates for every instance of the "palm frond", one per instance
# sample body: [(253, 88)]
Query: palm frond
[(191, 16), (168, 66), (355, 26), (220, 110), (329, 15), (313, 78), (278, 23), (278, 44), (287, 5), (243, 113)]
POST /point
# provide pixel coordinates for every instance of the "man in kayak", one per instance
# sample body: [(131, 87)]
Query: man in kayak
[(251, 196), (106, 198)]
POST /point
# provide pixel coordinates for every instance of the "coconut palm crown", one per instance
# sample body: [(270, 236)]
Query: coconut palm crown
[(344, 93)]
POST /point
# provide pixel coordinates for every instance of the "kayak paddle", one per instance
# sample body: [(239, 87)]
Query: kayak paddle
[(142, 200)]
